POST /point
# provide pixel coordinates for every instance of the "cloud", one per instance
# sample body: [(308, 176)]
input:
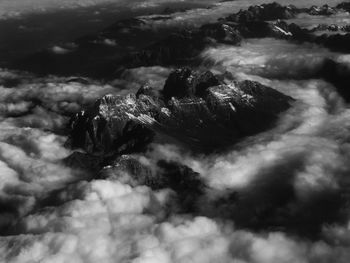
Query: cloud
[(309, 21), (279, 196), (132, 79), (270, 58), (139, 238), (292, 177), (34, 113)]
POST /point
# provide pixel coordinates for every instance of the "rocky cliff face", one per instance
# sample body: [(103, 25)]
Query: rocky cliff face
[(264, 12), (185, 184), (195, 109)]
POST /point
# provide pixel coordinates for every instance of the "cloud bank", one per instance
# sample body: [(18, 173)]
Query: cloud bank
[(280, 196)]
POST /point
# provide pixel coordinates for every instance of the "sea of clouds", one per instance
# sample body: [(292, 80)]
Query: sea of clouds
[(281, 196)]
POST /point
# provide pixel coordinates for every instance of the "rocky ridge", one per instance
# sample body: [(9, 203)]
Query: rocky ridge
[(197, 110), (191, 108)]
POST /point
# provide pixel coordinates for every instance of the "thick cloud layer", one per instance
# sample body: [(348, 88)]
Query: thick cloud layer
[(34, 116), (280, 196), (269, 57), (298, 167)]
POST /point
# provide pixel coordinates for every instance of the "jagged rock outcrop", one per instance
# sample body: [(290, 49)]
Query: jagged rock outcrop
[(261, 29), (339, 42), (162, 174), (198, 111), (324, 10), (264, 12), (84, 161), (130, 170), (147, 91), (331, 28), (254, 23), (187, 83), (108, 127), (222, 33), (186, 184), (275, 11)]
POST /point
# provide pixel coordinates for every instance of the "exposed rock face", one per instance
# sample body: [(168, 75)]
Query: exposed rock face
[(109, 128), (222, 33), (261, 29), (84, 161), (265, 12), (196, 107), (253, 23), (228, 111), (274, 11), (332, 28), (148, 91), (187, 83), (186, 185), (324, 10), (282, 30), (128, 169)]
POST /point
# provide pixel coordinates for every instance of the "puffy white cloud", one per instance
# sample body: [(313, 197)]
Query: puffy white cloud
[(297, 170), (133, 79), (304, 158), (270, 57), (34, 113)]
